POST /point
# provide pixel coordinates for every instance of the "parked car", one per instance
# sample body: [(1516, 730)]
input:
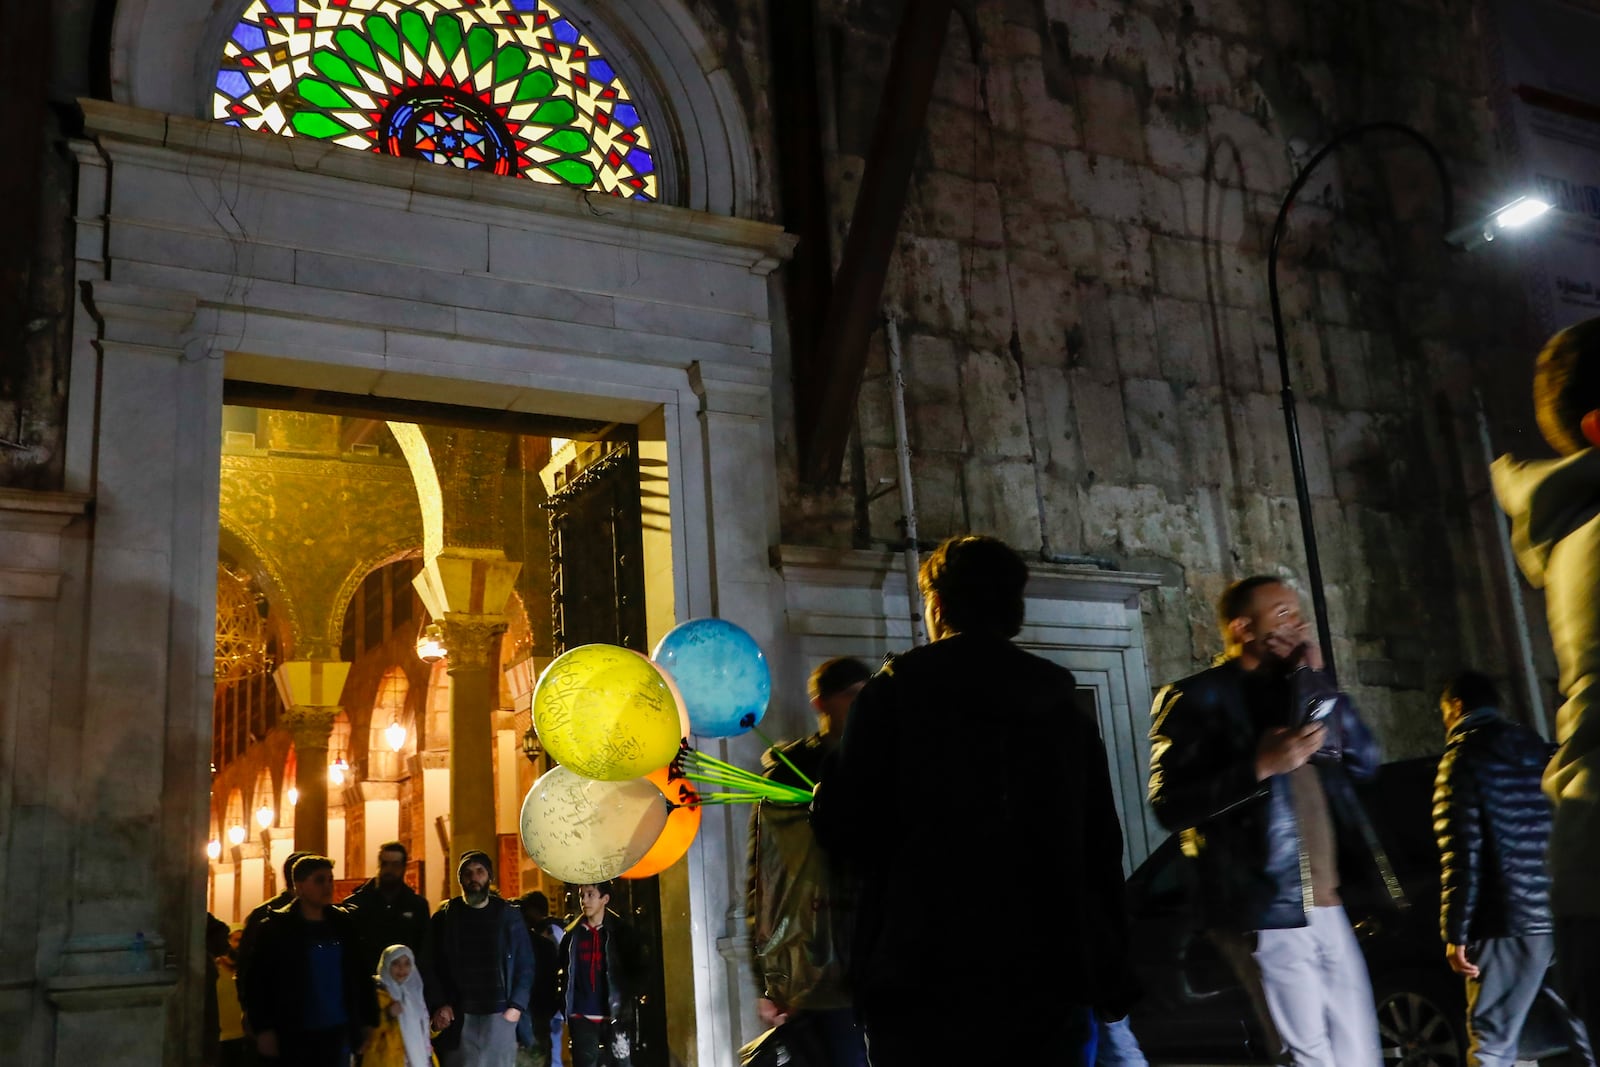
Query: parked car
[(1195, 1010)]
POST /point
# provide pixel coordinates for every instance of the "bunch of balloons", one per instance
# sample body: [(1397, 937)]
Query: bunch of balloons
[(623, 802)]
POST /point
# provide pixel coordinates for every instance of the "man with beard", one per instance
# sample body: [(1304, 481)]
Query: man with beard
[(1251, 762), (389, 912), (483, 971)]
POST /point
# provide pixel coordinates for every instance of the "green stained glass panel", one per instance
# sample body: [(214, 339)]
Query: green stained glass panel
[(316, 124), (572, 142), (383, 34), (356, 47), (572, 171), (336, 68), (414, 28), (447, 31), (480, 45), (320, 93), (509, 62), (556, 112), (535, 85)]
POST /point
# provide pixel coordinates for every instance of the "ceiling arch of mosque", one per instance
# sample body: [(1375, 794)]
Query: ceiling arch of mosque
[(315, 519)]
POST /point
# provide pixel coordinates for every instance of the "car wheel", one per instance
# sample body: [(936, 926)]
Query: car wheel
[(1419, 1026)]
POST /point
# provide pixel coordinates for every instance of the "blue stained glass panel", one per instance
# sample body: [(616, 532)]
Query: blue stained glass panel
[(564, 31), (524, 5), (640, 161), (249, 36), (626, 115), (600, 70), (233, 83), (282, 7)]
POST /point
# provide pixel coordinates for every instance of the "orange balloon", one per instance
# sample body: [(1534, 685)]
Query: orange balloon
[(683, 823)]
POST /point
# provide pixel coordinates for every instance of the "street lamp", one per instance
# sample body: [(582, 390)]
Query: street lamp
[(395, 734), (292, 796), (430, 646), (264, 816), (1518, 212), (236, 835), (213, 849)]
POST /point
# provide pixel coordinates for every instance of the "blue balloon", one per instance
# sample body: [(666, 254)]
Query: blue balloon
[(721, 672)]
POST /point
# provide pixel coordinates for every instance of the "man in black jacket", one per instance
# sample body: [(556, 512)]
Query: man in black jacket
[(389, 912), (483, 966), (1493, 824), (1251, 761), (311, 1001), (971, 751)]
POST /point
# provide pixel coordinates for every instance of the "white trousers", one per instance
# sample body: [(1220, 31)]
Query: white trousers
[(1316, 989), (1311, 983)]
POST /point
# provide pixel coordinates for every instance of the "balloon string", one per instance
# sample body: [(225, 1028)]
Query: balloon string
[(761, 787), (776, 751)]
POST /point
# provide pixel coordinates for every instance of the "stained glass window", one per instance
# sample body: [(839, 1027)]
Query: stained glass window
[(508, 86)]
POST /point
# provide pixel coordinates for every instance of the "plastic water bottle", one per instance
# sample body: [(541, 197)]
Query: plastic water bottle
[(141, 952)]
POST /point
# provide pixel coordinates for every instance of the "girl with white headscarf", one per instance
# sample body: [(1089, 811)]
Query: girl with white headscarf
[(402, 1038)]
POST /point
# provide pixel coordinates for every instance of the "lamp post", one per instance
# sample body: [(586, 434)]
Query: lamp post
[(1517, 213)]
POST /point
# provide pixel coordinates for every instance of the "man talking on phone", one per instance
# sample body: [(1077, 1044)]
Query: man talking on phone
[(1252, 762)]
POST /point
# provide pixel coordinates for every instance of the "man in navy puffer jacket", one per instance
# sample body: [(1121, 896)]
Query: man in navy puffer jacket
[(1493, 825)]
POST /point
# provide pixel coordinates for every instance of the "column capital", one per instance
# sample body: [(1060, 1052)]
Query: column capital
[(310, 726), (467, 581), (468, 639), (314, 683)]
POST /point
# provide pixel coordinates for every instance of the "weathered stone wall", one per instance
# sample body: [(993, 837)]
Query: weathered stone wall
[(1080, 280)]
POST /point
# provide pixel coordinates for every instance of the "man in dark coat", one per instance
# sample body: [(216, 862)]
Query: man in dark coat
[(973, 752), (1493, 824), (252, 932), (1251, 761), (389, 912), (311, 1002), (483, 966)]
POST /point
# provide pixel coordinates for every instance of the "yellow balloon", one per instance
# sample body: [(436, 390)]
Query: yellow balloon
[(606, 713), (581, 830)]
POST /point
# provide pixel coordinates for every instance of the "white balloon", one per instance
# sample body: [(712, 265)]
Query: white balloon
[(583, 830)]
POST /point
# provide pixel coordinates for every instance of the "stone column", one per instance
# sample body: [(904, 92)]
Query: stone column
[(472, 641), (310, 690), (465, 589), (737, 442)]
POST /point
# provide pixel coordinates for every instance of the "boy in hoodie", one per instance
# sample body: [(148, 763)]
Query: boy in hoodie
[(1555, 517), (1493, 824)]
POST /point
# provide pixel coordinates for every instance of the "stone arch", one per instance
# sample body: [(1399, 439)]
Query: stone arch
[(239, 543), (163, 58), (397, 549)]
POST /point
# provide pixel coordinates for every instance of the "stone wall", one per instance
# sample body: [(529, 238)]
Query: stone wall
[(1080, 281)]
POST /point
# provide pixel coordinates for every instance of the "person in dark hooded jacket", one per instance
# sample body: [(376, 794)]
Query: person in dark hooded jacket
[(1493, 824), (1554, 506)]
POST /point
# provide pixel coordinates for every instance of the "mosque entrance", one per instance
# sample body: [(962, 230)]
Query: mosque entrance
[(392, 576)]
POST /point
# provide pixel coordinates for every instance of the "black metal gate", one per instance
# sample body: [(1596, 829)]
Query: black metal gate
[(597, 595)]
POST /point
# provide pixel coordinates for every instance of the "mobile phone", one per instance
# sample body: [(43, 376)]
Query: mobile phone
[(1319, 710)]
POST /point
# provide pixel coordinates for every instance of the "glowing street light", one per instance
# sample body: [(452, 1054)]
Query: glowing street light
[(1516, 214), (395, 734), (336, 771), (293, 796), (213, 849), (264, 817), (236, 835)]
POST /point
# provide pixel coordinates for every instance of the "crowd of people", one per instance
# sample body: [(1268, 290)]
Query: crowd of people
[(480, 982), (970, 750)]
